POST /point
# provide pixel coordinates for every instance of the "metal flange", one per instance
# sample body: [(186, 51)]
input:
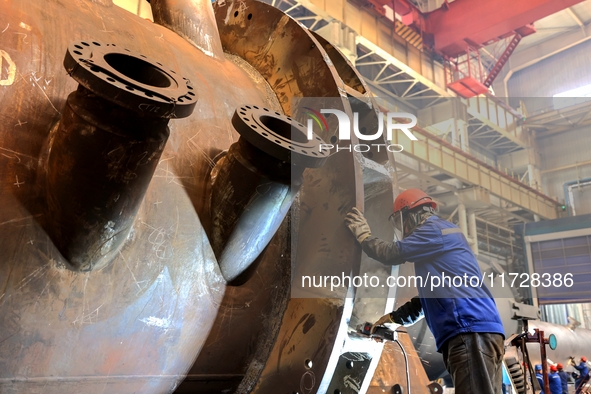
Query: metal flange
[(130, 79), (279, 136)]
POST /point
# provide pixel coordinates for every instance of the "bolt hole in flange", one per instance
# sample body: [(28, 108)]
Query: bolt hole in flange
[(266, 165), (308, 363), (126, 99)]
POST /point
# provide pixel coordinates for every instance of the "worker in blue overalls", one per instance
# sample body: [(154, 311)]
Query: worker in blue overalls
[(563, 378), (554, 381), (463, 319), (583, 375)]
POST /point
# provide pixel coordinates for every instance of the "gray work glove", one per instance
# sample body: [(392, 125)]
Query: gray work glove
[(407, 315), (386, 319), (358, 225)]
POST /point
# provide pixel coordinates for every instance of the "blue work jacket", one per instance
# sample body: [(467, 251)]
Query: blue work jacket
[(564, 381), (555, 383), (438, 248), (582, 368)]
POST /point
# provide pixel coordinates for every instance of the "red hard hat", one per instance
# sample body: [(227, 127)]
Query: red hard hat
[(559, 366), (553, 368), (584, 359), (412, 198)]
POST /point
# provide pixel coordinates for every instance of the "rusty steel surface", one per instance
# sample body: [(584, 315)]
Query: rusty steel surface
[(346, 70), (267, 352), (157, 315), (138, 323), (392, 369)]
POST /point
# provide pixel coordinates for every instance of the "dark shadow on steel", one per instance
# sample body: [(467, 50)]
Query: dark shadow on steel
[(343, 66), (360, 100), (106, 147), (255, 183)]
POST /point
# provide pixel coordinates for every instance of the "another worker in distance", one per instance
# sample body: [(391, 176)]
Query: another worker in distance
[(583, 374), (554, 381), (464, 320), (563, 378)]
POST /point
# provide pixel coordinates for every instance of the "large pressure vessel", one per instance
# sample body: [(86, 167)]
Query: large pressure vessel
[(108, 278)]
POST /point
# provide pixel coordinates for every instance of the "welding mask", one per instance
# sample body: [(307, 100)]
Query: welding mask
[(397, 221), (406, 221)]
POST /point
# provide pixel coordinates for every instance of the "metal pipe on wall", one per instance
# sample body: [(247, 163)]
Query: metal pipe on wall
[(463, 220), (568, 193), (473, 231)]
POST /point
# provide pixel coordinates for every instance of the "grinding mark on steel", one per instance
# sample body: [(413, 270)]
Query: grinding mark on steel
[(25, 281), (42, 91), (130, 271), (19, 219), (207, 158)]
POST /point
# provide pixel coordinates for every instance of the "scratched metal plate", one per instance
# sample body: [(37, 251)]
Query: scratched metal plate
[(138, 324)]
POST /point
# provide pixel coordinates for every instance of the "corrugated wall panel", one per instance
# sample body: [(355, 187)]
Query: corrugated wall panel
[(556, 314), (563, 149), (559, 260), (559, 73)]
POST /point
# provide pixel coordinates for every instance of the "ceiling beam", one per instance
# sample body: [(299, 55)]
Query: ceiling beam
[(575, 17), (559, 129), (483, 21), (529, 56)]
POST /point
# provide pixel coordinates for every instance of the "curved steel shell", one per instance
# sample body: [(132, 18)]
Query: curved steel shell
[(157, 315), (137, 324)]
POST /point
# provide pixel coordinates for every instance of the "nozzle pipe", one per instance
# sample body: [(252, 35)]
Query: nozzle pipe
[(106, 147), (255, 183)]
